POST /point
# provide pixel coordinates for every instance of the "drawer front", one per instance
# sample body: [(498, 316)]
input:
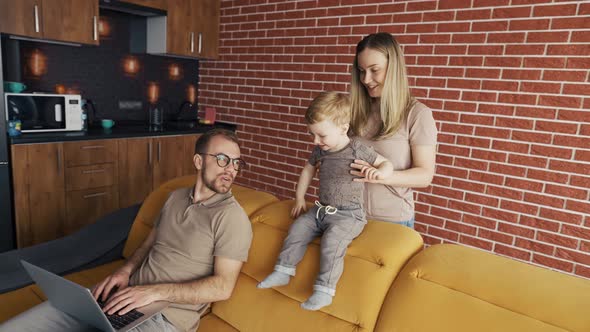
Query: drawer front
[(90, 152), (92, 176), (85, 207)]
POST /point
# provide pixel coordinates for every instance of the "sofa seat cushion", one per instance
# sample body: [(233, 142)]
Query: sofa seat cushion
[(371, 264), (14, 302), (20, 300), (212, 323), (455, 288), (250, 200)]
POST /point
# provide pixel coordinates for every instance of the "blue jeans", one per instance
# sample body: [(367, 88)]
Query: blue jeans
[(407, 223)]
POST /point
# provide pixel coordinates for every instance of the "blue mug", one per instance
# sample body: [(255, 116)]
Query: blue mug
[(107, 123), (14, 87), (14, 128)]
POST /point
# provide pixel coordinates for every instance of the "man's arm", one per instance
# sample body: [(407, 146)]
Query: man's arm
[(217, 287), (120, 278), (214, 288)]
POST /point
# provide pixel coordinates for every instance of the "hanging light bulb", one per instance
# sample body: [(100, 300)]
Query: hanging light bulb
[(104, 28), (191, 94), (60, 89), (130, 65), (153, 92), (174, 72), (37, 63)]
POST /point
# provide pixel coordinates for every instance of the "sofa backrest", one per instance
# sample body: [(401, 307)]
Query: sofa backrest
[(250, 200), (372, 262), (455, 288)]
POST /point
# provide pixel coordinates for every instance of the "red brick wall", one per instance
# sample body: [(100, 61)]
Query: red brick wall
[(509, 83)]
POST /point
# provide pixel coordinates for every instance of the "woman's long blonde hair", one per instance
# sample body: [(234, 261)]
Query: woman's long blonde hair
[(396, 100)]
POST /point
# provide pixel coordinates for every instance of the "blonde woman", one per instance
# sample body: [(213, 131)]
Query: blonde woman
[(387, 118)]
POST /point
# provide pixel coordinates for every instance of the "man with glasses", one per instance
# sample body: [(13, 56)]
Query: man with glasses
[(192, 256)]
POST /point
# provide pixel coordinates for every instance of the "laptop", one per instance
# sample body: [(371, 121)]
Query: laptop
[(77, 301)]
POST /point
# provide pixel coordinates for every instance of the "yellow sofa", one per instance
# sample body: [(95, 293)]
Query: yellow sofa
[(389, 283)]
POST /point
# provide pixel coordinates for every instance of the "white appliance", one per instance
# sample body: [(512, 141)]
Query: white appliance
[(41, 112)]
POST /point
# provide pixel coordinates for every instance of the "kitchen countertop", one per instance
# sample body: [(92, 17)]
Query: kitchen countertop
[(118, 131)]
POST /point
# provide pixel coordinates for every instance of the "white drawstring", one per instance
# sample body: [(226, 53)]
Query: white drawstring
[(329, 209)]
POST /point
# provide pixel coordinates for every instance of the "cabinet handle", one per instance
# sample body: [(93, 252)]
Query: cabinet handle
[(58, 159), (94, 195), (150, 152), (36, 18), (159, 151), (192, 35), (94, 27), (200, 42), (92, 147), (90, 171)]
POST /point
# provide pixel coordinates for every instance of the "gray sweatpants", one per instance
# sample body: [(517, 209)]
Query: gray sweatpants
[(338, 229), (45, 317)]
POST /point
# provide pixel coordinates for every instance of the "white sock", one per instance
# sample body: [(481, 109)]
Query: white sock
[(317, 300), (274, 279)]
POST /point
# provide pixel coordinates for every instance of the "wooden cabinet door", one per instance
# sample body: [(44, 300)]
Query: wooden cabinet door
[(189, 152), (206, 26), (71, 20), (88, 205), (38, 173), (169, 159), (90, 152), (22, 17), (180, 38), (159, 4), (20, 181), (136, 159)]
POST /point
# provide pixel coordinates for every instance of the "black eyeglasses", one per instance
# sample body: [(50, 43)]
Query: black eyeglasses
[(223, 160)]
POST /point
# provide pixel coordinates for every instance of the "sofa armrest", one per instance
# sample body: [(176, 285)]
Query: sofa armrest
[(455, 288)]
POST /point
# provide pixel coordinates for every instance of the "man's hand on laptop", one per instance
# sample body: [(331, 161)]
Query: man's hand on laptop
[(116, 281), (130, 298)]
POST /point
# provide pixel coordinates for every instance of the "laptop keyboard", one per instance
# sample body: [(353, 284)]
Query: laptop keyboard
[(119, 321)]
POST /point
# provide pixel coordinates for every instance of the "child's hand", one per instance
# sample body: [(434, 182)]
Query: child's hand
[(299, 207)]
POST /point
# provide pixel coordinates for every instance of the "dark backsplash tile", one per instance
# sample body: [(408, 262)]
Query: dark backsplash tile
[(109, 73)]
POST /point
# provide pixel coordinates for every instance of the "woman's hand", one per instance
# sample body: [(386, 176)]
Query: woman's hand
[(299, 207), (365, 172)]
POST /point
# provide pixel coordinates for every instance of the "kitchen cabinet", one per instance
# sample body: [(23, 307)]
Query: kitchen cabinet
[(145, 163), (168, 159), (179, 36), (91, 182), (206, 27), (21, 18), (135, 170), (61, 187), (191, 29), (74, 21), (39, 192), (88, 205), (71, 20), (189, 152)]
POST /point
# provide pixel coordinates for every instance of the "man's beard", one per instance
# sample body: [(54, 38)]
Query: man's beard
[(211, 184)]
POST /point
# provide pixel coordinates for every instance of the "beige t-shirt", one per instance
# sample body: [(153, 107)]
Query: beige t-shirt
[(188, 238), (396, 204)]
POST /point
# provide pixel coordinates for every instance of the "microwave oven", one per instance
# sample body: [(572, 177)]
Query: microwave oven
[(40, 112)]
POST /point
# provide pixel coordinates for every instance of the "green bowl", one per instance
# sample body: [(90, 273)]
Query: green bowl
[(15, 87)]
